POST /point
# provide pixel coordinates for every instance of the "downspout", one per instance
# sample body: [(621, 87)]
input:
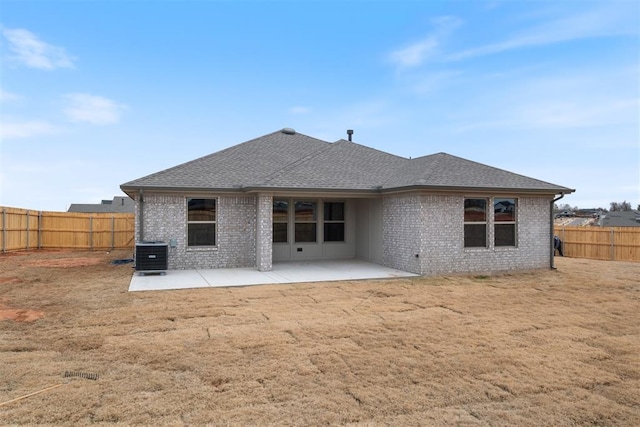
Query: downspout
[(141, 215), (552, 263)]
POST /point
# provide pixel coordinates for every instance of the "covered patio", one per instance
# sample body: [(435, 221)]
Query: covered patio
[(283, 272)]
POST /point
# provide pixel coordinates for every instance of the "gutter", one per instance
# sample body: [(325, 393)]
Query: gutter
[(372, 190), (552, 263), (477, 189), (141, 214)]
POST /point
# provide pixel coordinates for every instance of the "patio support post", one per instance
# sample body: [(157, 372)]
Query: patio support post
[(264, 232)]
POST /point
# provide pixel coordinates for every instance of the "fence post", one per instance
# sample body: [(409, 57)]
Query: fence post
[(39, 229), (4, 229), (91, 232), (113, 232), (27, 230), (613, 247)]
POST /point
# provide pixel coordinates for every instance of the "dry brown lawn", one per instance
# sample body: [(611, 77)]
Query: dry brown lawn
[(541, 348)]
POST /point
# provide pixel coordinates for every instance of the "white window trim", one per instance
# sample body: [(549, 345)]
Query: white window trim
[(486, 223), (514, 223)]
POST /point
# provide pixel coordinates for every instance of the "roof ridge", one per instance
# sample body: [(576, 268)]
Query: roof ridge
[(342, 140), (198, 159), (430, 155), (497, 168), (216, 153), (297, 162), (437, 160)]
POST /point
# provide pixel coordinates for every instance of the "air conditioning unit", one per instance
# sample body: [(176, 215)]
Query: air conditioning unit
[(151, 257)]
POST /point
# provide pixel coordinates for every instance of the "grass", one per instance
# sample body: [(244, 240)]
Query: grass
[(550, 347)]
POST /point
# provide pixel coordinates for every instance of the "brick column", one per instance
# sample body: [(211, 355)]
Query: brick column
[(264, 232)]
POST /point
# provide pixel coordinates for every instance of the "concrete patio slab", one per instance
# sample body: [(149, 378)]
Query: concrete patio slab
[(283, 272), (172, 279)]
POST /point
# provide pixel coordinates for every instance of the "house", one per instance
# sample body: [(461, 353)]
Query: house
[(119, 204), (620, 219), (286, 196)]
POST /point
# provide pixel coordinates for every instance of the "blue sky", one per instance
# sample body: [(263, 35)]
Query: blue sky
[(97, 93)]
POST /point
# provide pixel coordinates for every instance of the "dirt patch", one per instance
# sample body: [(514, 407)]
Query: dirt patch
[(20, 315), (10, 280), (537, 348), (16, 314)]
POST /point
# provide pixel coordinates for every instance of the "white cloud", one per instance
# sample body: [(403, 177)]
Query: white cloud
[(92, 109), (574, 114), (601, 22), (418, 52), (557, 114), (8, 96), (431, 82), (299, 110), (369, 114), (34, 53), (19, 129)]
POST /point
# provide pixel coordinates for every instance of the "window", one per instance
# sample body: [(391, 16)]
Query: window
[(280, 221), (475, 223), (201, 222), (334, 222), (306, 217), (505, 221)]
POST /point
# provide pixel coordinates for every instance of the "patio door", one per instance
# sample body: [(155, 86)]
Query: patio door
[(312, 229)]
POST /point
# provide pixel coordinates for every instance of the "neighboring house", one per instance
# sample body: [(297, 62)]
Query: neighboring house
[(119, 204), (620, 219), (287, 196), (591, 212)]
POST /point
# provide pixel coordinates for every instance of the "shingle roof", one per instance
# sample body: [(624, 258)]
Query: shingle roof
[(247, 163), (445, 170), (295, 161), (119, 204), (343, 165), (621, 219)]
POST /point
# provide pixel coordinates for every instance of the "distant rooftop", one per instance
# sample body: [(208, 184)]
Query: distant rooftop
[(119, 204), (620, 219)]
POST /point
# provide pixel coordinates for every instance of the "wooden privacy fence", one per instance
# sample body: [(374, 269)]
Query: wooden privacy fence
[(23, 229), (27, 229), (606, 243)]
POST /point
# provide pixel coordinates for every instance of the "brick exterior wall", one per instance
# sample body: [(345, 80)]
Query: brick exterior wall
[(432, 226), (165, 218), (402, 228), (429, 226)]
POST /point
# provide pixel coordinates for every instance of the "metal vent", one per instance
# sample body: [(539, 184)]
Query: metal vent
[(289, 131)]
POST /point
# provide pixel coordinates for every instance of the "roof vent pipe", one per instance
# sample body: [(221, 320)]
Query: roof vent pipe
[(350, 133)]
